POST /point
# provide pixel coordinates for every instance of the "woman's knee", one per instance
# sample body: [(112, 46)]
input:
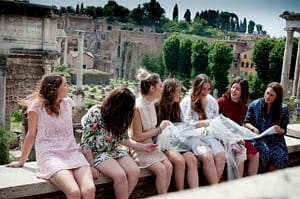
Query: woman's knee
[(190, 160), (120, 177), (220, 157), (73, 193), (88, 190), (134, 172), (206, 158)]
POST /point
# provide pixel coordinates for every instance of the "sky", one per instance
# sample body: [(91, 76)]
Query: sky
[(264, 12)]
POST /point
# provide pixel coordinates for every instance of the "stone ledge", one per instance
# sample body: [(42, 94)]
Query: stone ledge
[(23, 183), (282, 184), (293, 130)]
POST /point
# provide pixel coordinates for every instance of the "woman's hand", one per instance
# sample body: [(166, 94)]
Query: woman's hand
[(95, 173), (278, 130), (164, 125), (15, 164), (150, 147), (202, 123), (241, 141)]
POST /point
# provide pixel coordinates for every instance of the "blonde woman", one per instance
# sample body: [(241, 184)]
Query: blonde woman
[(144, 129)]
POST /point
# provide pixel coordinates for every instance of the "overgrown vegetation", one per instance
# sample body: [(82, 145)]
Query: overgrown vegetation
[(6, 140)]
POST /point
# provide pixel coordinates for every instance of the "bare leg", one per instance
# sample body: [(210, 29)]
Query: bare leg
[(163, 176), (64, 180), (132, 172), (112, 169), (179, 168), (84, 178), (209, 167), (241, 169), (220, 164), (253, 163), (192, 169)]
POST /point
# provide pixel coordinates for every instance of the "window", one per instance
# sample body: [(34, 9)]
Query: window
[(245, 56), (242, 64)]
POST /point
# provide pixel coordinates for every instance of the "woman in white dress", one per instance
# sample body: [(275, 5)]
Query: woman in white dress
[(197, 108), (144, 129)]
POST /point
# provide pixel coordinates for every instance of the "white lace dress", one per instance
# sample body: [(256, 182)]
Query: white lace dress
[(55, 144), (149, 120)]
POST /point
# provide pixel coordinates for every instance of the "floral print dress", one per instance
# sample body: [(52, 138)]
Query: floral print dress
[(96, 137)]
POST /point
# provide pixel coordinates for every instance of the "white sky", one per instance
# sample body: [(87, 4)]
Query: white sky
[(264, 12)]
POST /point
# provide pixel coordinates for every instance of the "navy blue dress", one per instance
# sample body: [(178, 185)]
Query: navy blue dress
[(272, 147)]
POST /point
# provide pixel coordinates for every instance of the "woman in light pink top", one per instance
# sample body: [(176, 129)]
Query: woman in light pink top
[(59, 158)]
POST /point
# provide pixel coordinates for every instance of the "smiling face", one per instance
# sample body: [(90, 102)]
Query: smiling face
[(205, 90), (270, 96), (177, 94), (235, 92)]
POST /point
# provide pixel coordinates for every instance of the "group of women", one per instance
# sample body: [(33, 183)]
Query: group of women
[(137, 123)]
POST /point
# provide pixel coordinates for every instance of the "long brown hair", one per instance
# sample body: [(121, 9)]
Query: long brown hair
[(244, 99), (197, 86), (277, 104), (47, 93), (168, 109), (117, 110)]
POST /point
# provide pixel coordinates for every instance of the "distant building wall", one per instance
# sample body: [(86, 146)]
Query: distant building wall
[(28, 46)]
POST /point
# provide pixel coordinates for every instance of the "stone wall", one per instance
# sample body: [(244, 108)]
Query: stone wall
[(28, 45)]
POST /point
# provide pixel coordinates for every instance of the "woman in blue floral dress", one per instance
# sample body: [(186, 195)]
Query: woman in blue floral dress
[(105, 128), (264, 113)]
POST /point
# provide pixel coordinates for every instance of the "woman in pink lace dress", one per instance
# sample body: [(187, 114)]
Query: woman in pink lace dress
[(59, 158)]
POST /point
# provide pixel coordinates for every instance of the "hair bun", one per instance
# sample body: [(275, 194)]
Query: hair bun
[(143, 74)]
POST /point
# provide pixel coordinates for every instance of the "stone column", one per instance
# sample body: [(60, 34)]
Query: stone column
[(58, 48), (3, 70), (296, 91), (80, 59), (65, 51), (78, 96), (287, 61)]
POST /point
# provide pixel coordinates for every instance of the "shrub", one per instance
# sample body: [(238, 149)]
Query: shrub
[(6, 137)]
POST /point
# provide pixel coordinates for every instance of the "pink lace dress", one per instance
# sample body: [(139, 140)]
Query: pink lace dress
[(55, 144)]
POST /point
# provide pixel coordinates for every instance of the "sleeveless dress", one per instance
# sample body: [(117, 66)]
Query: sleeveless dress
[(55, 145), (149, 120)]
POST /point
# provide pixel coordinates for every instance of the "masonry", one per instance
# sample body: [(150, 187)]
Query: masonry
[(23, 183), (27, 51)]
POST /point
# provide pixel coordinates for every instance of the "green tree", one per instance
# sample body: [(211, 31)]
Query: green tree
[(187, 16), (198, 27), (184, 68), (154, 11), (90, 10), (199, 59), (137, 15), (77, 9), (260, 56), (220, 59), (276, 60), (251, 26), (175, 13), (171, 54), (153, 64), (259, 29)]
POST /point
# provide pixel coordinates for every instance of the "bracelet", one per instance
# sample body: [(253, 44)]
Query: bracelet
[(159, 129)]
